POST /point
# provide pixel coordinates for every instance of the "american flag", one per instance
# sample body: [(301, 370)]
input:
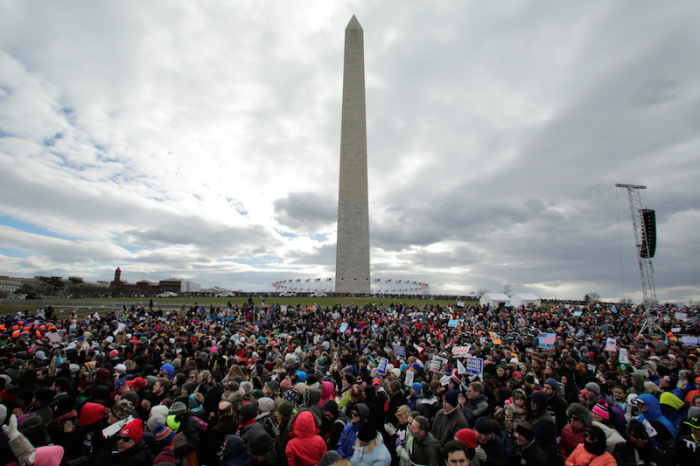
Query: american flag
[(366, 280), (307, 280), (398, 281), (377, 280), (329, 279), (388, 281), (317, 280)]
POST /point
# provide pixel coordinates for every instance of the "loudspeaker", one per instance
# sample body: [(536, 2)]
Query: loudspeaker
[(648, 233)]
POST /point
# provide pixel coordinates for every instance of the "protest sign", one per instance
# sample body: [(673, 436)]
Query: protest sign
[(399, 351), (453, 323), (611, 345), (546, 340), (381, 367), (343, 327), (460, 351), (409, 378), (475, 366), (623, 358), (495, 338)]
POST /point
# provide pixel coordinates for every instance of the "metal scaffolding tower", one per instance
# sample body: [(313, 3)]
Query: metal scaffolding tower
[(646, 269)]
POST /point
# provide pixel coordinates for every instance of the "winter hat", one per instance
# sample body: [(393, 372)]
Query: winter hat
[(452, 397), (601, 410), (286, 409), (484, 426), (168, 369), (50, 455), (266, 405), (286, 384), (417, 387), (467, 437), (249, 410), (164, 457), (367, 432), (154, 422), (552, 383), (160, 409), (593, 387), (133, 429), (273, 386), (525, 430), (91, 413), (122, 409), (416, 366), (178, 408)]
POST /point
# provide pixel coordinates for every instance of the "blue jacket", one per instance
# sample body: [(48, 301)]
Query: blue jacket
[(654, 412)]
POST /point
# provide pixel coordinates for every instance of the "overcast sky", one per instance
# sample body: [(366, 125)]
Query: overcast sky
[(200, 141)]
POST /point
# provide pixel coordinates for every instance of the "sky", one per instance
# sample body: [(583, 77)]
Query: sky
[(201, 140)]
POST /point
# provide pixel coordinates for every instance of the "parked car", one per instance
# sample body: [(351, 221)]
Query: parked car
[(319, 294), (226, 294), (167, 294), (288, 293)]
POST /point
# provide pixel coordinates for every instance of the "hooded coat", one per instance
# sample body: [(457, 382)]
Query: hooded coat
[(305, 447), (673, 408), (346, 443), (654, 412), (570, 436), (545, 427), (235, 452)]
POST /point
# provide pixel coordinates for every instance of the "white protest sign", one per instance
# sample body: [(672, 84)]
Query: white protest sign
[(623, 356), (681, 315), (611, 345), (409, 378), (460, 367), (460, 351)]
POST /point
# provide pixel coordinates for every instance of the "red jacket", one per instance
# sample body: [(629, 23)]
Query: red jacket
[(570, 439), (305, 447)]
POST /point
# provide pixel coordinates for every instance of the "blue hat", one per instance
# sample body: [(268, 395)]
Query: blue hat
[(302, 376), (168, 369), (552, 383), (417, 366), (417, 387)]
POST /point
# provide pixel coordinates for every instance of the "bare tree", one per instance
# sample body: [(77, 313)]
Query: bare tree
[(506, 290), (481, 292)]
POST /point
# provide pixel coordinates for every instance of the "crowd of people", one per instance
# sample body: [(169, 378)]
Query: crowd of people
[(374, 385)]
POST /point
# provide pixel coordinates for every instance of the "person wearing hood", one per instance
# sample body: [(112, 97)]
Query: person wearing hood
[(305, 446), (332, 424), (638, 450), (234, 452), (414, 395), (686, 450), (650, 408), (369, 448), (348, 437), (673, 408), (545, 427), (572, 434), (612, 437), (516, 412), (638, 386), (592, 451)]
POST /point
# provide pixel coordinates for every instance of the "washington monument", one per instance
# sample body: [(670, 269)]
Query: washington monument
[(352, 250)]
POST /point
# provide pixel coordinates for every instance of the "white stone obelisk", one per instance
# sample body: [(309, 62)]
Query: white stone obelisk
[(352, 250)]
